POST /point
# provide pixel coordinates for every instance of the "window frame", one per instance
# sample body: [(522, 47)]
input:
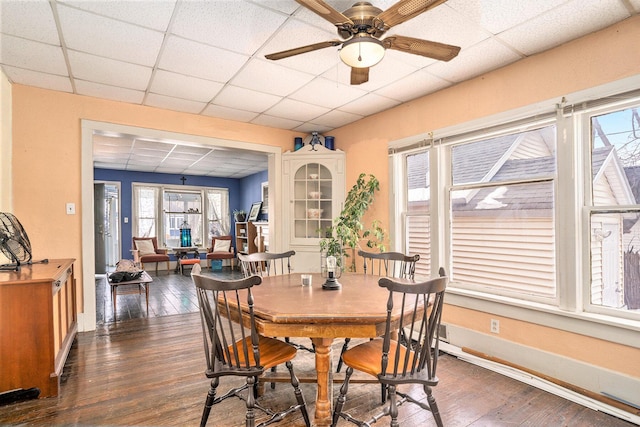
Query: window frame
[(572, 311), (161, 189)]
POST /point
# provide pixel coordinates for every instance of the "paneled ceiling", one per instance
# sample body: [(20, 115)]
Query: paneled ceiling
[(207, 58)]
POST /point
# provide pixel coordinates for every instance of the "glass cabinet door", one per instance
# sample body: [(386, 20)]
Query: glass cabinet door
[(312, 199)]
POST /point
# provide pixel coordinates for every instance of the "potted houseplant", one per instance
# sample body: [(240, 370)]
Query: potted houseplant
[(240, 215), (348, 230)]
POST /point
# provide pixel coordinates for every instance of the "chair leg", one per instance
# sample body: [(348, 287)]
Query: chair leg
[(393, 407), (168, 268), (211, 395), (344, 348), (434, 407), (251, 401), (342, 397), (384, 393), (299, 396), (157, 268)]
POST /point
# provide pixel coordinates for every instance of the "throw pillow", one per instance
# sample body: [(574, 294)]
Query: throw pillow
[(222, 246), (145, 247)]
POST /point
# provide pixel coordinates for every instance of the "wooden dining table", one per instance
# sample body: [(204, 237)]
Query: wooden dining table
[(285, 308)]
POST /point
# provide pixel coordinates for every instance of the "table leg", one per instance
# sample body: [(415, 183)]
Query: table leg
[(324, 369), (114, 295)]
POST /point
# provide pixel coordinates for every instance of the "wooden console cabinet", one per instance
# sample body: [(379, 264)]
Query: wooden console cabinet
[(38, 323)]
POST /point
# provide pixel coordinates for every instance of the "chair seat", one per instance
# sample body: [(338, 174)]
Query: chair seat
[(220, 255), (154, 258), (366, 358), (273, 352)]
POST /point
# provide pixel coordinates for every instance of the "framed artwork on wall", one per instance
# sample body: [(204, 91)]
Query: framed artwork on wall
[(254, 212), (265, 197)]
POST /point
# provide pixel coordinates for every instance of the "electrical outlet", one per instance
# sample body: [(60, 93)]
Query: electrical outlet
[(495, 326)]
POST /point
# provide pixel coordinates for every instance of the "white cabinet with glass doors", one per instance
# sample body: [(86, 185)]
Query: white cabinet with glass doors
[(314, 189)]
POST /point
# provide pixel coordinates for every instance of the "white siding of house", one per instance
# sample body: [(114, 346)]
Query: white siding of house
[(530, 147), (603, 195), (509, 254), (419, 235)]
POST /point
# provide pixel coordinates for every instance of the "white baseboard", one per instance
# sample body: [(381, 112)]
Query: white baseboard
[(593, 378)]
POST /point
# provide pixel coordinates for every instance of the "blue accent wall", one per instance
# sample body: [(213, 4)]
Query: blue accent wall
[(242, 192), (252, 191)]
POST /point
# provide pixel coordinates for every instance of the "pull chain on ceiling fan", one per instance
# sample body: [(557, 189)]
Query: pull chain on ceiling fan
[(362, 25)]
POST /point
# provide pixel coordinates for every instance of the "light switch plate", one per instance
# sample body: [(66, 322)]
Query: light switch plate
[(71, 208)]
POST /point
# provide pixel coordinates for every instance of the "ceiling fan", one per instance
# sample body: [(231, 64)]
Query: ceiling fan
[(362, 25)]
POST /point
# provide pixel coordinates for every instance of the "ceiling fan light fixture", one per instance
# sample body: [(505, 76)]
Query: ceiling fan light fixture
[(362, 51)]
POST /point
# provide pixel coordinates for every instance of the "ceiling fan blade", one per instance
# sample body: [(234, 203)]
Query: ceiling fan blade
[(406, 9), (326, 11), (435, 50), (359, 75), (302, 49)]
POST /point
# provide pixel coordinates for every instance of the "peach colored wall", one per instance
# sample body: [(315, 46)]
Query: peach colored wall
[(5, 145), (594, 60), (47, 149)]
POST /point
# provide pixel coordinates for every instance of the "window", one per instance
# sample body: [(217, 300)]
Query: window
[(204, 210), (146, 205), (522, 220), (502, 214), (614, 214), (417, 210)]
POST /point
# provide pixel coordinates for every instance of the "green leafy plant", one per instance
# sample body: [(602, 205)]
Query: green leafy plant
[(348, 230)]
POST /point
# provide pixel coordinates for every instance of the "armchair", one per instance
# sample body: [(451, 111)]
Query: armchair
[(221, 248), (145, 250)]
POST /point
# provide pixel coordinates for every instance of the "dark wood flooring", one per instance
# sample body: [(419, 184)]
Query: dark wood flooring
[(169, 293), (148, 371)]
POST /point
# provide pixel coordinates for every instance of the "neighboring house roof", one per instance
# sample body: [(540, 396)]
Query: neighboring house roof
[(480, 162), (472, 162)]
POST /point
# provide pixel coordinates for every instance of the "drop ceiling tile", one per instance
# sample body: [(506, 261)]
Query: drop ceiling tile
[(295, 34), (497, 16), (312, 127), (267, 76), (296, 110), (107, 165), (107, 37), (193, 21), (244, 99), (32, 20), (30, 55), (485, 56), (275, 122), (563, 24), (199, 60), (185, 87), (443, 25), (337, 118), (369, 104), (114, 93), (37, 79), (159, 146), (154, 15), (229, 113), (413, 86), (327, 93), (176, 104), (385, 72), (108, 71), (190, 149)]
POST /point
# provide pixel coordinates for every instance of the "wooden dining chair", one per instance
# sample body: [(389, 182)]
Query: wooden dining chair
[(388, 264), (234, 350), (392, 362), (269, 264), (266, 263)]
